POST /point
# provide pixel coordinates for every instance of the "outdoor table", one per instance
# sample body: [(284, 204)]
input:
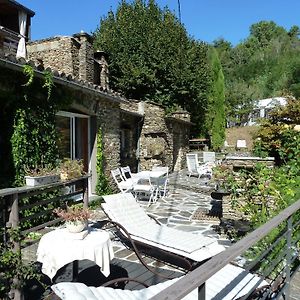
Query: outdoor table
[(155, 177), (152, 174), (60, 247)]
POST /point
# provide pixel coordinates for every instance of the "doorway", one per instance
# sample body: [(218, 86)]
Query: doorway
[(73, 137)]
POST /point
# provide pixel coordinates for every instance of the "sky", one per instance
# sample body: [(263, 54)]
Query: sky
[(205, 20)]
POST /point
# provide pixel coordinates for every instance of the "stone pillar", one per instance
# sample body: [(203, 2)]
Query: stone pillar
[(85, 56), (107, 112)]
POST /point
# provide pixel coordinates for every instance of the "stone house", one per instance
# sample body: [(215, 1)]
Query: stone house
[(135, 133)]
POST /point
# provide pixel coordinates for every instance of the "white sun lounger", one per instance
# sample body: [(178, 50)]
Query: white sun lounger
[(123, 209), (229, 283)]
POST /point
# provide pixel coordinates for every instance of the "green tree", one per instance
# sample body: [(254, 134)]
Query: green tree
[(264, 65), (215, 117), (152, 57), (265, 31)]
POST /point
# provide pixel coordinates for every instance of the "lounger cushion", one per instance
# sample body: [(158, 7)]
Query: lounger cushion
[(126, 211), (231, 282)]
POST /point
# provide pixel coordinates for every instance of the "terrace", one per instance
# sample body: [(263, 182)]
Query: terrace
[(189, 206)]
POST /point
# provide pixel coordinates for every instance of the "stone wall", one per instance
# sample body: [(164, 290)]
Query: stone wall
[(247, 161), (163, 140), (108, 118), (155, 142), (71, 55), (179, 132), (152, 138), (85, 57)]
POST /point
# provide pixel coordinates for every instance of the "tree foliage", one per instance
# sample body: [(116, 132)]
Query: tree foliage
[(152, 57), (215, 117), (279, 136), (265, 65)]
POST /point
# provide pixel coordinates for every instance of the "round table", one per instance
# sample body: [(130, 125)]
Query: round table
[(60, 247)]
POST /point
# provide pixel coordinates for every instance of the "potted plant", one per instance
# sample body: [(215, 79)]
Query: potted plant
[(71, 168), (40, 175), (75, 217)]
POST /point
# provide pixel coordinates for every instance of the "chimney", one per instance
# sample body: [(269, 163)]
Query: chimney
[(85, 56), (100, 58)]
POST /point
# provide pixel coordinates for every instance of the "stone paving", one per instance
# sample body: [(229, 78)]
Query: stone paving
[(185, 196), (177, 209)]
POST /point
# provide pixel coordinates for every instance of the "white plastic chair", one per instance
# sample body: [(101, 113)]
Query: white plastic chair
[(241, 144), (127, 175), (162, 182), (145, 189), (123, 185), (192, 164), (194, 168)]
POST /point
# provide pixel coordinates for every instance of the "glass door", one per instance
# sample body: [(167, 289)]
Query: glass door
[(73, 136)]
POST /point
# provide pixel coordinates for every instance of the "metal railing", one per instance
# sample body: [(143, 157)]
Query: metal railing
[(276, 262), (12, 216), (13, 208)]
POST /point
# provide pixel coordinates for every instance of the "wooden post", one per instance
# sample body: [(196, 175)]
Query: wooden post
[(14, 223), (85, 191)]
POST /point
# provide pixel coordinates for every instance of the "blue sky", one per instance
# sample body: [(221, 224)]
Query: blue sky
[(205, 20)]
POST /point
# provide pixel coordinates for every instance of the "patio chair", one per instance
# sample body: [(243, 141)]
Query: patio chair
[(127, 175), (180, 248), (123, 185), (241, 145), (231, 282), (195, 169), (145, 189), (162, 182)]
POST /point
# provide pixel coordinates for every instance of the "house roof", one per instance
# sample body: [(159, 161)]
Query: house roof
[(270, 102), (8, 6), (10, 61)]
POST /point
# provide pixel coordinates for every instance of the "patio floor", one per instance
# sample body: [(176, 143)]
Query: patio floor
[(179, 209)]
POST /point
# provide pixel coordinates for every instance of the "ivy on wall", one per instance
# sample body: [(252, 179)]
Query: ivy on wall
[(34, 136), (102, 187)]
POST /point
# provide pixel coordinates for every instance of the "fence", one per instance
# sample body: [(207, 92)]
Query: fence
[(277, 261), (13, 209)]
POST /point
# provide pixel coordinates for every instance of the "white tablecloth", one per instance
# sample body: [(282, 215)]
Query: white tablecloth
[(60, 247), (152, 174)]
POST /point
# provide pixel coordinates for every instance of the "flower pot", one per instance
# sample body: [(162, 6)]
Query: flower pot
[(41, 180), (76, 226)]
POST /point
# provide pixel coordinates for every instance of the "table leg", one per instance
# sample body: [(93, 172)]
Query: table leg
[(75, 271)]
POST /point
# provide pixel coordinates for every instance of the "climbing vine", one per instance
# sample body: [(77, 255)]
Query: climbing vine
[(34, 137), (48, 84), (28, 71), (102, 187)]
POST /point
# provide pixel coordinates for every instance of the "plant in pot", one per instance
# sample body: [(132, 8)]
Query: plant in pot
[(40, 175), (71, 168), (75, 217)]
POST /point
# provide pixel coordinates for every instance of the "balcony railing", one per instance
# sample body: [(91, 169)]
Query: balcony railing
[(276, 261), (8, 40), (271, 251), (11, 208), (14, 202)]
